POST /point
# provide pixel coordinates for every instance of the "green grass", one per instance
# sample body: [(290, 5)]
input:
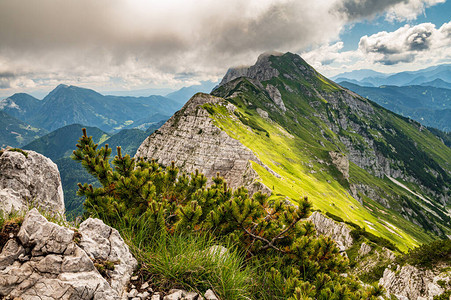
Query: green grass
[(187, 261), (302, 175)]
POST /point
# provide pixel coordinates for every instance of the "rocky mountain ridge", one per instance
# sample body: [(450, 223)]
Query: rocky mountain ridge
[(282, 105), (194, 142)]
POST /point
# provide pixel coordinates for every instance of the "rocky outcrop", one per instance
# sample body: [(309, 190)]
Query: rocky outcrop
[(192, 140), (261, 71), (29, 178), (341, 162), (339, 232), (104, 244), (275, 95), (409, 282), (47, 261)]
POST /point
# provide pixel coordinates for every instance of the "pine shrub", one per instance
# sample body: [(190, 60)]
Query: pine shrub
[(275, 239)]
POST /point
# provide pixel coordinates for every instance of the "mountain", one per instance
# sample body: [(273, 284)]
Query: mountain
[(21, 106), (438, 83), (428, 105), (128, 139), (419, 77), (282, 127), (16, 133), (60, 143), (184, 94), (67, 105), (358, 75)]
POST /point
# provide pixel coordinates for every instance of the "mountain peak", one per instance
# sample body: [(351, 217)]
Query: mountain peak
[(270, 65), (61, 86)]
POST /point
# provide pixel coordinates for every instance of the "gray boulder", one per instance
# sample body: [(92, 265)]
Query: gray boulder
[(29, 178), (44, 261), (103, 243)]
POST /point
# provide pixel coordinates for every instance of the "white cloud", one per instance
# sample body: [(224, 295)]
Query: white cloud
[(409, 10), (409, 46), (123, 44)]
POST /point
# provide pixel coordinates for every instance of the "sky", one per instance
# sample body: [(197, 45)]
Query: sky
[(130, 45)]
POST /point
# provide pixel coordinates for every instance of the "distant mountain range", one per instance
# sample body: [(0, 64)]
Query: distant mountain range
[(70, 105), (59, 144), (15, 132), (25, 118), (184, 94), (437, 76), (431, 106)]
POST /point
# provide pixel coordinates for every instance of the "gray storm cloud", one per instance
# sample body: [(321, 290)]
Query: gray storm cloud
[(357, 9), (136, 42)]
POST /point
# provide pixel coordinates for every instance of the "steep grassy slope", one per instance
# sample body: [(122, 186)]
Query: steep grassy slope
[(294, 132)]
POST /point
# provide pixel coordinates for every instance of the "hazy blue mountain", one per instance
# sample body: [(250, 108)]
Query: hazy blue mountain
[(59, 144), (67, 105), (358, 75), (184, 94), (73, 173), (21, 106), (128, 139), (148, 121), (418, 77), (428, 105), (62, 141), (15, 133), (439, 83), (154, 127), (353, 81)]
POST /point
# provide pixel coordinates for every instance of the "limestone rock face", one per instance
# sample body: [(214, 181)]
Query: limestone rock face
[(192, 140), (29, 179), (275, 95), (341, 162), (44, 261), (409, 282), (339, 232), (101, 242), (261, 71)]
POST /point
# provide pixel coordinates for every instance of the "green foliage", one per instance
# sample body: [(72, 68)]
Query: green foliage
[(9, 224), (428, 255), (143, 199), (445, 296), (19, 150), (374, 274), (334, 217)]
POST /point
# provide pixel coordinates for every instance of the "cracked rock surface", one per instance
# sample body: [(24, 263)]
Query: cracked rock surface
[(29, 179), (339, 232), (409, 282), (43, 261), (192, 140), (104, 243)]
